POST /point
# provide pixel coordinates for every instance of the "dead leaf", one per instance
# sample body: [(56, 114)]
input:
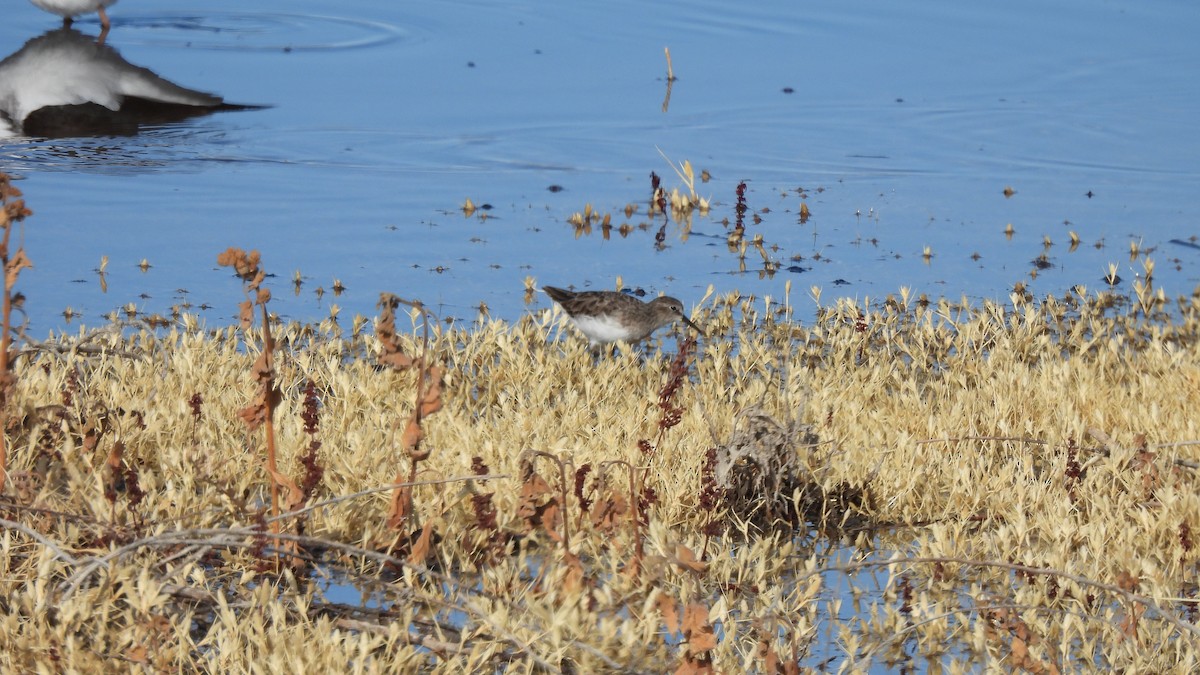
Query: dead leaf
[(410, 440), (1020, 653), (549, 516), (291, 555), (768, 656), (633, 567), (91, 435), (263, 367), (158, 624), (295, 496), (696, 629), (396, 360), (1127, 582), (385, 331), (254, 414), (609, 513), (1129, 624), (669, 610), (113, 477), (401, 504), (18, 262), (246, 314), (573, 580), (536, 495), (138, 654), (115, 455), (1022, 638), (420, 549), (686, 559), (431, 400)]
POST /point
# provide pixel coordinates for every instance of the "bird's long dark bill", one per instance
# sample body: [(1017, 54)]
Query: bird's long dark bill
[(694, 326)]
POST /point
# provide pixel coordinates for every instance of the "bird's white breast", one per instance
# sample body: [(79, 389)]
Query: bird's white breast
[(72, 7), (601, 329)]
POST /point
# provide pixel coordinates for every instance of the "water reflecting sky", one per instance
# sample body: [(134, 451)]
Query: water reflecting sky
[(903, 125)]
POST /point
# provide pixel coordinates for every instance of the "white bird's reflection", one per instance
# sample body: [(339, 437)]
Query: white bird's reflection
[(65, 83)]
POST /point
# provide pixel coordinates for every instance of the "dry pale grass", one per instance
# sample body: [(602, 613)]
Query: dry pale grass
[(1019, 479)]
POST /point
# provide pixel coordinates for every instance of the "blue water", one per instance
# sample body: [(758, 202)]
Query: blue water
[(904, 124)]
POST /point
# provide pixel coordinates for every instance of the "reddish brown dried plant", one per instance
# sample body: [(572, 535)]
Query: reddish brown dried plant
[(12, 210), (261, 410), (428, 396)]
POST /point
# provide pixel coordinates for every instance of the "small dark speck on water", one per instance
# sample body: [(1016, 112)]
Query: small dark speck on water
[(470, 64), (899, 100), (555, 188), (840, 282), (788, 90), (1180, 242), (1089, 194)]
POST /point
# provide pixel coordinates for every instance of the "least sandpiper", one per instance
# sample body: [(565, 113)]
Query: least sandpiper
[(69, 9), (607, 316)]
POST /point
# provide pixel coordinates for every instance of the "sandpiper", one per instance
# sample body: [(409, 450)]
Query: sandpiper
[(69, 9), (607, 316)]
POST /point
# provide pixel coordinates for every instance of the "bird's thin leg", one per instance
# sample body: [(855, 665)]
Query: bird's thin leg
[(104, 26)]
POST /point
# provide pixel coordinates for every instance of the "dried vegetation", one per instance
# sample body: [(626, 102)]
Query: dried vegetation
[(1009, 487)]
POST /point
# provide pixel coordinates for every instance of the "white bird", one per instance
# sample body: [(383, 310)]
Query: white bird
[(67, 73), (69, 9)]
